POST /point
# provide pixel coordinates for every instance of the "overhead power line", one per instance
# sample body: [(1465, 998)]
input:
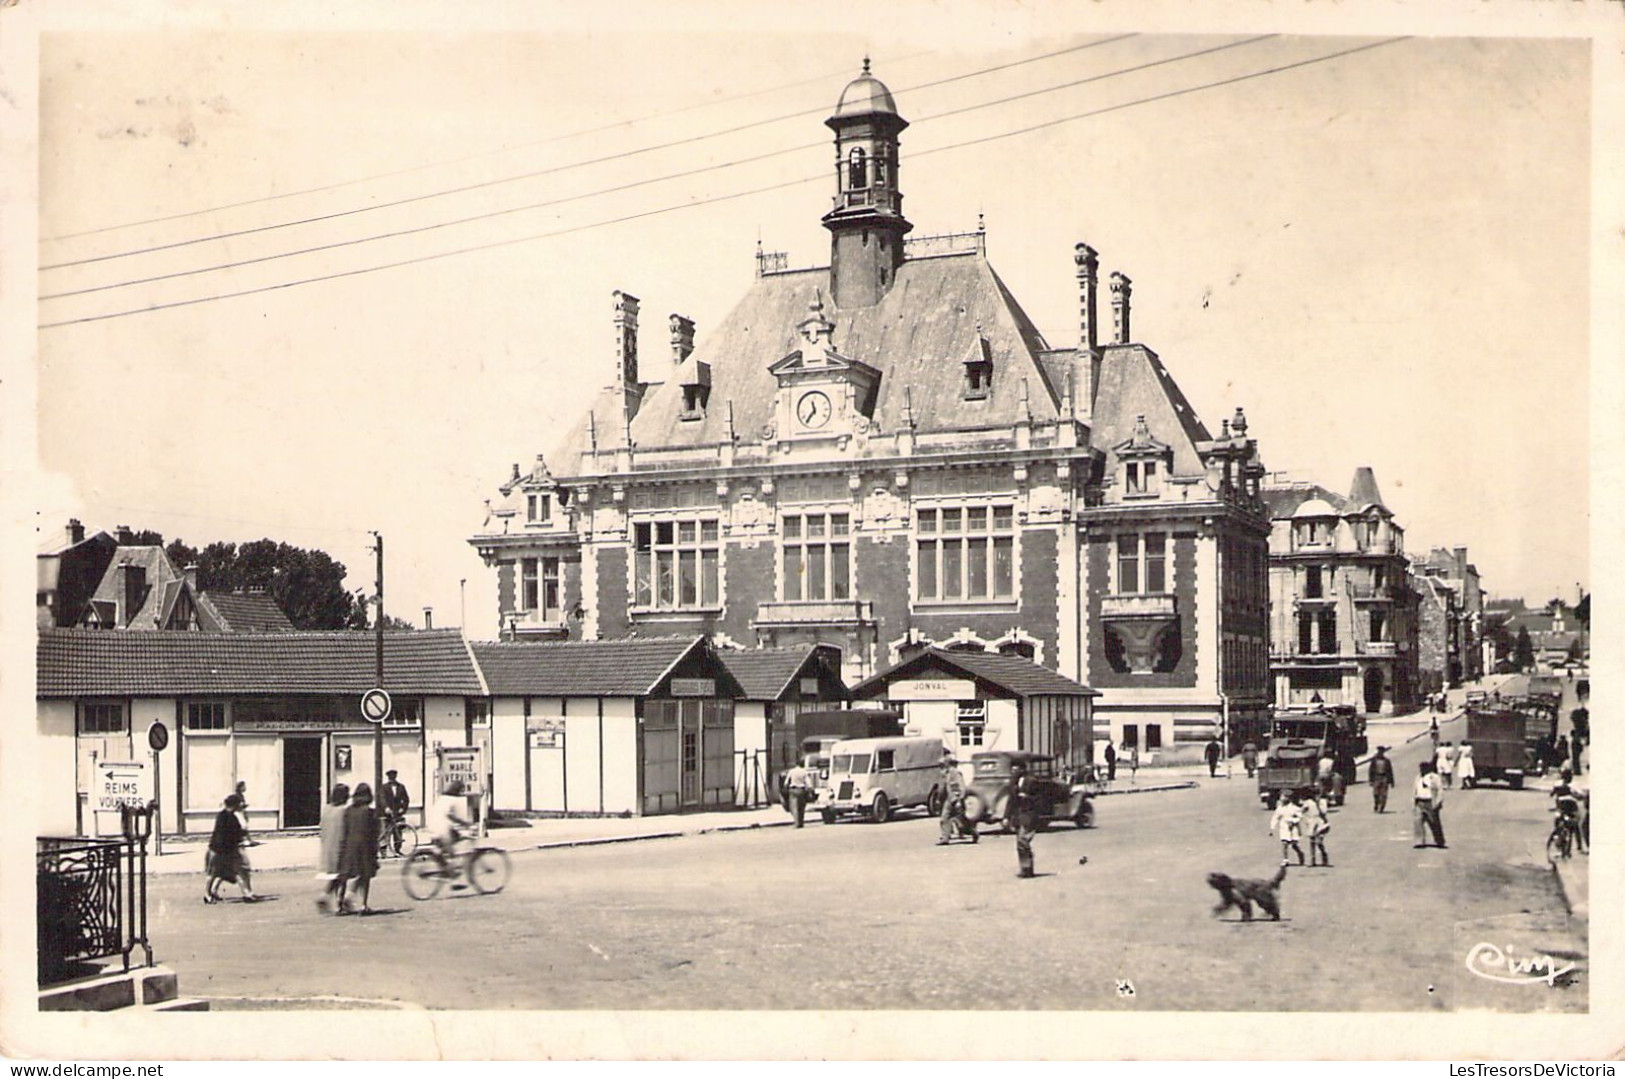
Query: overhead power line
[(553, 169), (488, 215), (510, 241), (580, 133)]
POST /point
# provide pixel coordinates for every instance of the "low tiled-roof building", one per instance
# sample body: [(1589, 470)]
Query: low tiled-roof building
[(776, 685), (280, 712), (643, 725)]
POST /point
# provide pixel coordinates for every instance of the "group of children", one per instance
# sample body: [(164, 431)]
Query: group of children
[(1300, 813)]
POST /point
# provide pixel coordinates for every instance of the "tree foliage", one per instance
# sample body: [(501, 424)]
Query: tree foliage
[(307, 584), (1523, 652)]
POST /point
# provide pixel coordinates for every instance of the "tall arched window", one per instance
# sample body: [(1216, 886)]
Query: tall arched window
[(856, 173)]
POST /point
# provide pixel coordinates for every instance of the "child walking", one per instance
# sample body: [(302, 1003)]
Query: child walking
[(1316, 824), (1286, 824)]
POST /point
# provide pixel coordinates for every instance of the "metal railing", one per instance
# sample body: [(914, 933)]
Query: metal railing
[(948, 243), (91, 898)]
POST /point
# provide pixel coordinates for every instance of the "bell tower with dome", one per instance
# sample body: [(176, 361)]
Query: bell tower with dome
[(867, 224)]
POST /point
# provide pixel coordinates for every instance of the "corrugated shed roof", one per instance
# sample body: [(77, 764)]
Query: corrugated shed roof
[(625, 668), (79, 662), (243, 612), (1014, 674), (917, 336), (765, 673), (1133, 383)]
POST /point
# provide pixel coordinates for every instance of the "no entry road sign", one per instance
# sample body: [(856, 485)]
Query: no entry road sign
[(375, 705)]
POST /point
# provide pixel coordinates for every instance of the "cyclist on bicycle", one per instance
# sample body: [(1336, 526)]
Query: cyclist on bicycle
[(1566, 801), (445, 821)]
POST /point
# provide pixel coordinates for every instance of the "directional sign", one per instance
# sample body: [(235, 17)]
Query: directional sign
[(122, 783), (376, 705)]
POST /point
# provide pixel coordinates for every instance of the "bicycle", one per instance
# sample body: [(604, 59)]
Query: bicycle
[(1564, 838), (397, 839), (427, 870)]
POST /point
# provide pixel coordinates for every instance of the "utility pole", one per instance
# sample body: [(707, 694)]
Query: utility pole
[(378, 728)]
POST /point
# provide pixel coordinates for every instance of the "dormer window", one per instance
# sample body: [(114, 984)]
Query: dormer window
[(538, 508), (1141, 478), (979, 370), (696, 391), (1145, 461)]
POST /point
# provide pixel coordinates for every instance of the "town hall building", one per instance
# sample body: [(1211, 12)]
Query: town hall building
[(884, 454)]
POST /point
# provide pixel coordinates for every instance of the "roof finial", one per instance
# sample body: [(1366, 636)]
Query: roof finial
[(866, 63)]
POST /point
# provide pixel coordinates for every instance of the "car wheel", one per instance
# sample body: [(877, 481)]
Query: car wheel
[(881, 811), (1085, 816), (827, 816), (1517, 783), (975, 808), (933, 802)]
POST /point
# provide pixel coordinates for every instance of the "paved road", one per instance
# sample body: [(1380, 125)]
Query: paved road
[(866, 916)]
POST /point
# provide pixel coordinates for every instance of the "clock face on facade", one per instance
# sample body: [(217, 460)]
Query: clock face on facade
[(813, 409)]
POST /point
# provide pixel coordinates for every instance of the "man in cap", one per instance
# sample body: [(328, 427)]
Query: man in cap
[(953, 823), (394, 801), (1381, 778), (798, 790)]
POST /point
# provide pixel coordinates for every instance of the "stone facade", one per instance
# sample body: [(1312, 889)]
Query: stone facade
[(1343, 623), (886, 454)]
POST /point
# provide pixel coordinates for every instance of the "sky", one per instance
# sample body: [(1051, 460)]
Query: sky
[(1383, 256)]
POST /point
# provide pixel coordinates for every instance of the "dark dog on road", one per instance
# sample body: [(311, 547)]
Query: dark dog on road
[(1244, 893)]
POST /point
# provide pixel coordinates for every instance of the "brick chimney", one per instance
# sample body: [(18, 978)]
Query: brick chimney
[(1461, 561), (1088, 366), (1122, 288), (76, 530), (428, 618), (124, 536), (626, 339), (190, 573), (682, 338)]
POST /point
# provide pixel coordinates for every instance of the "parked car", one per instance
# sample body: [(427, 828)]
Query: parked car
[(1476, 696), (877, 776), (1056, 796)]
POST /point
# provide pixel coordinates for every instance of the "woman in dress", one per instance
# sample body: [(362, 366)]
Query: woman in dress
[(358, 850), (1466, 770), (226, 853), (332, 845)]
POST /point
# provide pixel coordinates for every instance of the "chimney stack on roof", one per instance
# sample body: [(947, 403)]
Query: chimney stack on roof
[(76, 530), (190, 573), (1088, 262), (682, 338), (428, 618), (124, 535), (1122, 288), (626, 339), (1461, 561)]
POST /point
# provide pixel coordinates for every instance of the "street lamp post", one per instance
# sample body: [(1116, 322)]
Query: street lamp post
[(378, 728)]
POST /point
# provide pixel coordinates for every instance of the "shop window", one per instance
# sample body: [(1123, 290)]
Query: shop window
[(102, 717), (1131, 736), (972, 723), (1153, 736), (407, 714), (676, 564), (965, 552), (206, 715), (816, 556)]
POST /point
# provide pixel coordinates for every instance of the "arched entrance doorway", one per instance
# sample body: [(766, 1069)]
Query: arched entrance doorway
[(1373, 690)]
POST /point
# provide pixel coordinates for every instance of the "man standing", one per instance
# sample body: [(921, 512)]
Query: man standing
[(1111, 762), (396, 798), (1428, 795), (1249, 759), (1021, 815), (1382, 780), (798, 791), (953, 823), (1213, 752)]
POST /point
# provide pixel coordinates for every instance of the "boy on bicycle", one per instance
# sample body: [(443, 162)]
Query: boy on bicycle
[(445, 821)]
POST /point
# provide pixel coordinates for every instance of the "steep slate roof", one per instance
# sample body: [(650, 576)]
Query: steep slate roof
[(1013, 674), (82, 662), (917, 336), (1364, 491), (625, 668), (159, 573), (765, 673), (245, 612), (1133, 383), (1285, 501)]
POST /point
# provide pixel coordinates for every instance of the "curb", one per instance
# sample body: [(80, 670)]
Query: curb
[(1188, 784), (598, 841), (1565, 888)]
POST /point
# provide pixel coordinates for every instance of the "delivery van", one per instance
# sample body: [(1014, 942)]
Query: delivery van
[(878, 776)]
